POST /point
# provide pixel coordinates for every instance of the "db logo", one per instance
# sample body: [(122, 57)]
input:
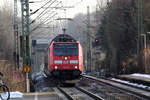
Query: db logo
[(65, 62)]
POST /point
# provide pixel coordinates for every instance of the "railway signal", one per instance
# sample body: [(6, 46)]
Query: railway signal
[(145, 50), (124, 63), (26, 69), (96, 43)]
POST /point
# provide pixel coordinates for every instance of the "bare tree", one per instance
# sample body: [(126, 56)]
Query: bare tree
[(6, 33), (118, 33)]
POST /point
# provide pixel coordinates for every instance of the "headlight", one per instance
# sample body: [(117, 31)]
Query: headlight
[(56, 67), (73, 61), (75, 67), (57, 61)]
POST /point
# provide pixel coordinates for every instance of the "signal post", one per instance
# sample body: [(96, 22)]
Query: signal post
[(89, 51), (27, 70)]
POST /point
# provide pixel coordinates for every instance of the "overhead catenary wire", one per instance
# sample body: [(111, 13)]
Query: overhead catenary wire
[(44, 13), (47, 18), (48, 11), (51, 17), (42, 19), (39, 1), (42, 23), (40, 15), (40, 7)]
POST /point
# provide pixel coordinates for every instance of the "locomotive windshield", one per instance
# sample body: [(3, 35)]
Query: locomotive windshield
[(66, 49)]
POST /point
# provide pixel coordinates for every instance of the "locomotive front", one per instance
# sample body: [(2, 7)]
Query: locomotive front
[(66, 59)]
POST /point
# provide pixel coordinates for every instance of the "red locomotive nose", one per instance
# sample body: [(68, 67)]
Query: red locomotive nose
[(64, 58)]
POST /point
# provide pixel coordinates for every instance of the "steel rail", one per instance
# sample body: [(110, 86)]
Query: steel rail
[(83, 91), (148, 90), (121, 88), (89, 93), (65, 93)]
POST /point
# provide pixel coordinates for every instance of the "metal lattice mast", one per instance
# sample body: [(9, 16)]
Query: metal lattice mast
[(88, 41), (140, 24), (25, 32), (16, 35)]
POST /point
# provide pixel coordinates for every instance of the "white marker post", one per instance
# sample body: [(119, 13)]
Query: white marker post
[(27, 69), (27, 82)]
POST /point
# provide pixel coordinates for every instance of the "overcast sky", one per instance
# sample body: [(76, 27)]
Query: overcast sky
[(80, 5)]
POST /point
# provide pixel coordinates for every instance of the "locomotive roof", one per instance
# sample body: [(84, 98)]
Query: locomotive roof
[(64, 38)]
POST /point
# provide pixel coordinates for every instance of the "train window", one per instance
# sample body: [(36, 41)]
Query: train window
[(66, 49)]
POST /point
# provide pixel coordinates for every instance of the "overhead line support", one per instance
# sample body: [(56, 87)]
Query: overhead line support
[(25, 32), (16, 35), (25, 39), (89, 51), (140, 25)]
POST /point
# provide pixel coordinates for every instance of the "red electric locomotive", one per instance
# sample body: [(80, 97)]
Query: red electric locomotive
[(64, 58)]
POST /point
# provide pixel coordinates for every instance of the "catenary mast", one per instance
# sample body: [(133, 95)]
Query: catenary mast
[(16, 35), (25, 32)]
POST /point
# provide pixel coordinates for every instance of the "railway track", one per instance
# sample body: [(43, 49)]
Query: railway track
[(145, 89), (92, 88), (142, 94), (78, 93)]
